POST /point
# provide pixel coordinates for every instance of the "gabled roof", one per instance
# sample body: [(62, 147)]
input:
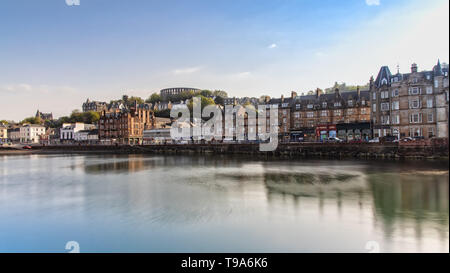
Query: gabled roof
[(384, 77)]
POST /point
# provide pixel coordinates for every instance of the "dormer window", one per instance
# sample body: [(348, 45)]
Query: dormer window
[(324, 104), (337, 104), (350, 103), (384, 81), (310, 106)]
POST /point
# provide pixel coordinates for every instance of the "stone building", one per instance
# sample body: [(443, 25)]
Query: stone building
[(95, 106), (125, 125), (44, 116), (165, 93), (414, 104), (320, 116)]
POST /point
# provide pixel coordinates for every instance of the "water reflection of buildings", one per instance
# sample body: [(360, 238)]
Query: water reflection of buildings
[(411, 200), (410, 204)]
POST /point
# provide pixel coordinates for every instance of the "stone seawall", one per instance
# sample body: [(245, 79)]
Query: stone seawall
[(330, 150)]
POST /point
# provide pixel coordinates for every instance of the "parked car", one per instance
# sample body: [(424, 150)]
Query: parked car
[(356, 141), (27, 147), (407, 139), (334, 140), (419, 138), (388, 139), (374, 140)]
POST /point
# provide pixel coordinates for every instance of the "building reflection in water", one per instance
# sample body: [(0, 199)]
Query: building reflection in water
[(409, 203)]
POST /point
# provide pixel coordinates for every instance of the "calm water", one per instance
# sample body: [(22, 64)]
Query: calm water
[(219, 204)]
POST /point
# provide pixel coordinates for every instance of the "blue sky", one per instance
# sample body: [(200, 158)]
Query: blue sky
[(53, 56)]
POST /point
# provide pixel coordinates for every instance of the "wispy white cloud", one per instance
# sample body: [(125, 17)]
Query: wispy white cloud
[(19, 88), (187, 70), (245, 74), (320, 54), (373, 2), (272, 46)]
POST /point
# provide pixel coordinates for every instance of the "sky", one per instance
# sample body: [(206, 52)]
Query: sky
[(53, 56)]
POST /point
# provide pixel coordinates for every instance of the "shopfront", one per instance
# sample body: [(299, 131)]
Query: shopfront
[(354, 131), (303, 135), (323, 132)]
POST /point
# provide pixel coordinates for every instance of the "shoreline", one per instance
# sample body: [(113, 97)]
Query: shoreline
[(285, 150)]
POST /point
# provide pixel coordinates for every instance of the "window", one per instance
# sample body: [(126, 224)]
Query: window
[(284, 112), (337, 112), (337, 104), (310, 106), (310, 114), (385, 119), (374, 96), (428, 77), (374, 108), (385, 106), (414, 104), (296, 114), (429, 90), (429, 103), (350, 103), (430, 132), (415, 118), (395, 93), (363, 102), (324, 113), (430, 118), (415, 80), (324, 104), (414, 90), (395, 105), (395, 119), (350, 112), (297, 106), (385, 95), (436, 83), (363, 111)]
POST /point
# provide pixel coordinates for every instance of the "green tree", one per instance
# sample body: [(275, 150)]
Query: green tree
[(155, 97), (219, 100), (220, 93), (32, 120), (204, 102), (206, 93)]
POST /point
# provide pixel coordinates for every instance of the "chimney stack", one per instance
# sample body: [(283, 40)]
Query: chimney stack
[(358, 91), (336, 92), (282, 98), (293, 94), (318, 92), (414, 68)]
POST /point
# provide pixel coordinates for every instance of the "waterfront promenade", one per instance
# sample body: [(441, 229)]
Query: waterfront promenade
[(417, 150)]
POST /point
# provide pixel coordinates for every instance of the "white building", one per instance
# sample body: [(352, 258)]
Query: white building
[(71, 131), (30, 133), (3, 133), (157, 136)]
